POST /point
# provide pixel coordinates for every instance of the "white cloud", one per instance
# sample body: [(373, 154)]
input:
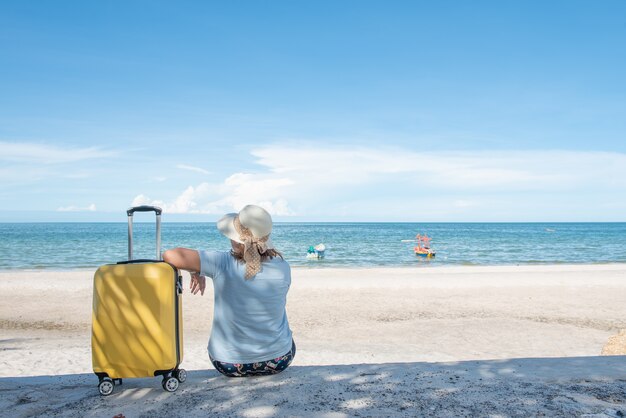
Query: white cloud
[(300, 180), (72, 208), (237, 191), (192, 168), (264, 190), (461, 203), (532, 170), (142, 199), (46, 154)]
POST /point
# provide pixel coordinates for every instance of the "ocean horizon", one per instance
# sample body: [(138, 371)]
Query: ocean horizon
[(85, 245)]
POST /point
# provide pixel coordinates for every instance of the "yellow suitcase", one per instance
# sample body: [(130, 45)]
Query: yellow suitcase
[(137, 318)]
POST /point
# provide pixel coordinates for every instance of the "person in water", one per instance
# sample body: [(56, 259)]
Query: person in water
[(250, 333)]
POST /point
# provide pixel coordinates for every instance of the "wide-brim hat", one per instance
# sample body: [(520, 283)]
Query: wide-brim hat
[(253, 217)]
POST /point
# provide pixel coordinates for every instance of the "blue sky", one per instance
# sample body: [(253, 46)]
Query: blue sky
[(331, 111)]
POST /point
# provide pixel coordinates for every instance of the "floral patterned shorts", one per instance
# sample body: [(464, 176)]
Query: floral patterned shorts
[(262, 368)]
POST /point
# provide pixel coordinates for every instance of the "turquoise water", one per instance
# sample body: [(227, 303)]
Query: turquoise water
[(87, 245)]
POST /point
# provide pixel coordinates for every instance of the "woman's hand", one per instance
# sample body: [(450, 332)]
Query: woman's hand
[(197, 284)]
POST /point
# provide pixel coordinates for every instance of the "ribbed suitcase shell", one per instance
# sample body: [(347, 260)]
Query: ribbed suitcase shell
[(137, 320)]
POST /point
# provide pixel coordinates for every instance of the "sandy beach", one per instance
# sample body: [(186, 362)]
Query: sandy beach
[(506, 341)]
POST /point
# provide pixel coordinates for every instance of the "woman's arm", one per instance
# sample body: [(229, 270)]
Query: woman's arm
[(186, 259), (183, 258)]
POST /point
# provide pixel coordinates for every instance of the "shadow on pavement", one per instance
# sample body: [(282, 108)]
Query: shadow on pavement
[(594, 386)]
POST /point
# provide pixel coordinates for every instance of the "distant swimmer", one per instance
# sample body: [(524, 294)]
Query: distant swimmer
[(316, 252), (422, 248)]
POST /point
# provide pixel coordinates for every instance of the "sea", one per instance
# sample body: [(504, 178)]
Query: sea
[(81, 245)]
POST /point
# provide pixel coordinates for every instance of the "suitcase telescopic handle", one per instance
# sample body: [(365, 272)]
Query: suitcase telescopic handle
[(144, 208)]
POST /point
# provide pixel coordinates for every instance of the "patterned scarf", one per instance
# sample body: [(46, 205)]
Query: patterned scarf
[(253, 247)]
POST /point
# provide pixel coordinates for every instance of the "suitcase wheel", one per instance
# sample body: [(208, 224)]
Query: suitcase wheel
[(105, 387), (170, 384), (181, 375)]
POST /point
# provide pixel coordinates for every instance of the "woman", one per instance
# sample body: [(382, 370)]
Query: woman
[(250, 334)]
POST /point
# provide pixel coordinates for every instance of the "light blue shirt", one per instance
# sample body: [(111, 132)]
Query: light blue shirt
[(249, 318)]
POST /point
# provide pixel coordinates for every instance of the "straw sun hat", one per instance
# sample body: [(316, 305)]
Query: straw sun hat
[(251, 227), (256, 219)]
